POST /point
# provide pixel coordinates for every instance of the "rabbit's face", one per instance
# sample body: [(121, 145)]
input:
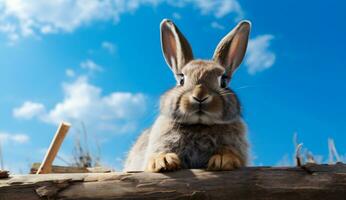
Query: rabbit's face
[(201, 96)]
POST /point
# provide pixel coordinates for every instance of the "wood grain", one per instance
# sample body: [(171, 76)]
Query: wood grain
[(263, 183)]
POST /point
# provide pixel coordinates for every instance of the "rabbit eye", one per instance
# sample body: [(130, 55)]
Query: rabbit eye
[(181, 79), (223, 81)]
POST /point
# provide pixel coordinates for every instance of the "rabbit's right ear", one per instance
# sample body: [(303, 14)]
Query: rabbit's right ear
[(175, 47), (230, 52)]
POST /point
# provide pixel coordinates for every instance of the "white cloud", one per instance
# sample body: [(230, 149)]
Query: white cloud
[(70, 73), (176, 16), (6, 137), (20, 18), (218, 8), (28, 110), (84, 102), (20, 138), (90, 65), (110, 47), (216, 25), (259, 56)]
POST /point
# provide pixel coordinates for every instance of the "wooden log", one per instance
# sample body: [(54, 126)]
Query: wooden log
[(70, 169), (46, 166), (4, 174), (260, 183), (59, 169)]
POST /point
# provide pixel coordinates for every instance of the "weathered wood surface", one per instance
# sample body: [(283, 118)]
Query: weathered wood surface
[(70, 169), (309, 182), (59, 169)]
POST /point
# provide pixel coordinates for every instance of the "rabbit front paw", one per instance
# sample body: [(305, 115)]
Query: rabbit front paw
[(163, 162), (224, 161)]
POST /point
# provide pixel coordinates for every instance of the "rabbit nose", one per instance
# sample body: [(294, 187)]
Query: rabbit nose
[(200, 93), (200, 100)]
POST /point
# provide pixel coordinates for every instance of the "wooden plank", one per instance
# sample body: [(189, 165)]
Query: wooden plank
[(260, 183), (70, 169), (46, 166), (59, 169)]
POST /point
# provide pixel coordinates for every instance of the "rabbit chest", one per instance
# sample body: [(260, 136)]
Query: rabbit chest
[(196, 144)]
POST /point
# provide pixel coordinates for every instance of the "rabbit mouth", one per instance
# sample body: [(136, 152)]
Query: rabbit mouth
[(200, 112), (201, 116)]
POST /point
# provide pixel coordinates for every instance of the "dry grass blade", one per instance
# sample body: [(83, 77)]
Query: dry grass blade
[(310, 158), (298, 155), (1, 158), (81, 153), (333, 153)]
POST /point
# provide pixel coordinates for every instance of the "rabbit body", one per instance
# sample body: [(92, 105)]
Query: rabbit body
[(194, 144), (200, 123)]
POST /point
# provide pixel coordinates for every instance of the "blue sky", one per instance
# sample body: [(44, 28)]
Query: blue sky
[(100, 63)]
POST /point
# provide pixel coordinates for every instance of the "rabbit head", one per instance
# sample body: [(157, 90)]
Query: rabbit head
[(202, 95)]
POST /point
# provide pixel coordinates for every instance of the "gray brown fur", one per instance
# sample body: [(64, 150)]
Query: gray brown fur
[(198, 119)]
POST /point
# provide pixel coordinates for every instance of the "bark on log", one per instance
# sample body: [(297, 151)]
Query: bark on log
[(308, 182)]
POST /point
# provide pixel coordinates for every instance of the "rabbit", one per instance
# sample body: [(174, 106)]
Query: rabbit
[(200, 123)]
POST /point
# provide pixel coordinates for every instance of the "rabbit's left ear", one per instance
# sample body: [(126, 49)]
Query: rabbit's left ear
[(230, 52), (175, 47)]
